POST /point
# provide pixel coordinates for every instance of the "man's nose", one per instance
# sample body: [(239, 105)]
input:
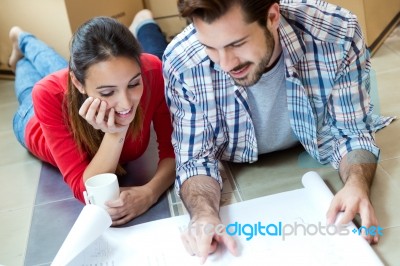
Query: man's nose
[(227, 60)]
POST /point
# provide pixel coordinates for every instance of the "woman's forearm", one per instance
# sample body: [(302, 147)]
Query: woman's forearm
[(107, 157)]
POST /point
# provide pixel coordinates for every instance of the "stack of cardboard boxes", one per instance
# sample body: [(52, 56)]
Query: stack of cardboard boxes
[(53, 21)]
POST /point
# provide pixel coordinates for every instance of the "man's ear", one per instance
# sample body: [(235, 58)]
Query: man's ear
[(76, 83), (273, 16)]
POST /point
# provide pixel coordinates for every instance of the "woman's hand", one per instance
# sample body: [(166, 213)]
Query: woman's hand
[(94, 111), (132, 202)]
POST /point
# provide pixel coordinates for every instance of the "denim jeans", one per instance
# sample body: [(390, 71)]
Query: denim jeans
[(151, 38), (40, 60)]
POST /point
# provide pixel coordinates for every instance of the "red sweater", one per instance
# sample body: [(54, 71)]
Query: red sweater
[(48, 137)]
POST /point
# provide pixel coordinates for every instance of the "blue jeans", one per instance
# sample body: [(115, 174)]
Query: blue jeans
[(151, 38), (40, 60)]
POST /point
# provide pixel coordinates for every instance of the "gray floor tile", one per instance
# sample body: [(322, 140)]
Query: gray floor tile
[(50, 225), (51, 186)]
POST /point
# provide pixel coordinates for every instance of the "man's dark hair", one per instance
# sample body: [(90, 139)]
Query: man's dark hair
[(211, 10)]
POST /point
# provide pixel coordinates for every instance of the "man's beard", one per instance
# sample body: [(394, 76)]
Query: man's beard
[(254, 77)]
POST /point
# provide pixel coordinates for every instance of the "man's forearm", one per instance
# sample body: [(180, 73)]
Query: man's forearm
[(358, 167), (201, 196)]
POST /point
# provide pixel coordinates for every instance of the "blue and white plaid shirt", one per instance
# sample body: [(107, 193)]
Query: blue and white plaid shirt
[(327, 79)]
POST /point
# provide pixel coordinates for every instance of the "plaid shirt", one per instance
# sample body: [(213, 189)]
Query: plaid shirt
[(327, 83)]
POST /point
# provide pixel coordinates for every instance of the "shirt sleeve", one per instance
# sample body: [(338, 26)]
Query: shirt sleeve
[(350, 104), (193, 134)]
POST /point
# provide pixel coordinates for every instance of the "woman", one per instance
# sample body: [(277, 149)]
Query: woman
[(95, 115)]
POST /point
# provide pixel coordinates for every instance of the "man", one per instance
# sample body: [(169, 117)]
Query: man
[(254, 76)]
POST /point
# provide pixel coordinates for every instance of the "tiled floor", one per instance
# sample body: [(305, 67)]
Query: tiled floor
[(19, 172)]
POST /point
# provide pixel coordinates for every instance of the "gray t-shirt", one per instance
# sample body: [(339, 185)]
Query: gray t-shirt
[(268, 105)]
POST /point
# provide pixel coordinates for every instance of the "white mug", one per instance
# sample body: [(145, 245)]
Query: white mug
[(101, 188)]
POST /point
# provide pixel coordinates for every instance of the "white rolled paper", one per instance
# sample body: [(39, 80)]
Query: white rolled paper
[(90, 224), (322, 196), (320, 193), (318, 189)]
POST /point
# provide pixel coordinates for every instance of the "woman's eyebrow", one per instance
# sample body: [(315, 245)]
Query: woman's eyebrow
[(136, 76), (113, 86)]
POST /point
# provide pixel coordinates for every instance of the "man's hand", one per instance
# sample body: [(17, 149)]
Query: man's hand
[(352, 200), (204, 235), (201, 196), (357, 170)]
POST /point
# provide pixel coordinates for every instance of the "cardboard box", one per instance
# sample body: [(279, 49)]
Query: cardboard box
[(171, 26), (162, 8), (54, 21), (166, 15), (374, 16)]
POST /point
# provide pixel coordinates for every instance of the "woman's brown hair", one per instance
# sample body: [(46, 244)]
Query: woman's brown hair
[(97, 40)]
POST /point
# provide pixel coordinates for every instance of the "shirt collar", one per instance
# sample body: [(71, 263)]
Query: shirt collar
[(293, 46)]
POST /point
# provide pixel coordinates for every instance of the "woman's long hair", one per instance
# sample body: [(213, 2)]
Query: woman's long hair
[(97, 40)]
